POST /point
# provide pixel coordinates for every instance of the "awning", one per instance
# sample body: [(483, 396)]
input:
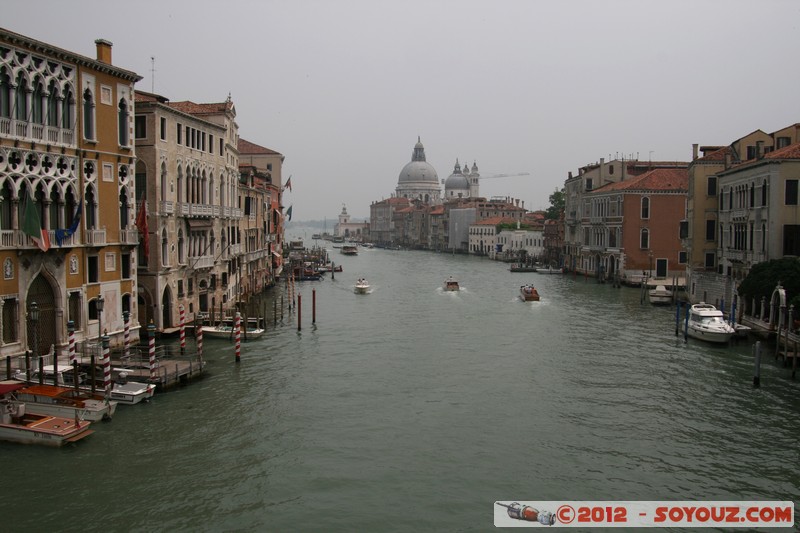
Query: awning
[(200, 223)]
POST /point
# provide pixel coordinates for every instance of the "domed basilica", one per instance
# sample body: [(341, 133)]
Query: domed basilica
[(418, 180)]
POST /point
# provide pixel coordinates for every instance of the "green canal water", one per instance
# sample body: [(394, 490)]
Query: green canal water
[(415, 409)]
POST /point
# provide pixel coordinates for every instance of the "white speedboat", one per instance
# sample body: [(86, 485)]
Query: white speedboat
[(226, 330), (361, 286), (660, 295), (707, 323)]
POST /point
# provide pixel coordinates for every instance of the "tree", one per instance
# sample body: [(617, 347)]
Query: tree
[(556, 205), (763, 277)]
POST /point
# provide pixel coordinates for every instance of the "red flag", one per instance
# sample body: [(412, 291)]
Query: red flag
[(141, 223)]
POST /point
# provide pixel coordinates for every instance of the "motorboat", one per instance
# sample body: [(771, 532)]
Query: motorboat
[(19, 425), (65, 402), (528, 293), (450, 284), (122, 390), (361, 286), (549, 270), (349, 249), (660, 295), (226, 329), (707, 323)]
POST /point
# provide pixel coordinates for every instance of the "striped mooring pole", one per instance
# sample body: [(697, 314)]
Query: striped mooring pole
[(183, 331), (238, 328), (71, 350), (126, 335), (106, 366), (199, 340), (151, 338)]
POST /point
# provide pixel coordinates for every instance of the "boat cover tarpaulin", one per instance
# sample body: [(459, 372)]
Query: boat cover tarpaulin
[(10, 386)]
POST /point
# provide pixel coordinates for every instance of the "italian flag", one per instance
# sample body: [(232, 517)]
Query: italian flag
[(32, 226)]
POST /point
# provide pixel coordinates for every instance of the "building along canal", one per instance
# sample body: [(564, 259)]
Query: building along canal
[(413, 408)]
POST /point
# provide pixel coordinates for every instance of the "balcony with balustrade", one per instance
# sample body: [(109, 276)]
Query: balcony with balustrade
[(30, 131), (202, 261), (129, 236), (96, 237)]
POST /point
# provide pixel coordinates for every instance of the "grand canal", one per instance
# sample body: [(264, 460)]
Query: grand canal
[(414, 409)]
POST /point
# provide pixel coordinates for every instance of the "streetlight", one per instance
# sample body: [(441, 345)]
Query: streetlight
[(100, 303), (34, 315)]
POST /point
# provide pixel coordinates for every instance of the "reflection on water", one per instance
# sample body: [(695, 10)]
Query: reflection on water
[(415, 408)]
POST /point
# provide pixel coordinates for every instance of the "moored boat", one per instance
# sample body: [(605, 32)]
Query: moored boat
[(18, 425), (549, 270), (528, 293), (226, 329), (450, 284), (122, 390), (707, 323), (522, 268), (660, 295), (65, 402)]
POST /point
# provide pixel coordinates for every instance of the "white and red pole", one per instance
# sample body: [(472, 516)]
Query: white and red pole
[(106, 367), (151, 335), (71, 350), (199, 340), (183, 331), (126, 334), (238, 327)]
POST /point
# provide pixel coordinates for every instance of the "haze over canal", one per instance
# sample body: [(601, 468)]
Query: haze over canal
[(412, 408)]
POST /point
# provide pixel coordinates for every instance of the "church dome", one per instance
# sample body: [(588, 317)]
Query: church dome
[(418, 170), (457, 180)]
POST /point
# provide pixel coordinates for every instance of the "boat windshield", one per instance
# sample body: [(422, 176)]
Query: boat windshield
[(712, 320)]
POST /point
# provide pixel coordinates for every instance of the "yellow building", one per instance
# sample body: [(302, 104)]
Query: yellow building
[(66, 166)]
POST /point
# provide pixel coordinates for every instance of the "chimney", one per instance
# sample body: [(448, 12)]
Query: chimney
[(569, 174), (727, 159), (104, 51), (694, 151)]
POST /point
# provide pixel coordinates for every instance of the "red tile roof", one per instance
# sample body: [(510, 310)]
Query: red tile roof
[(659, 179), (717, 155), (192, 108), (248, 148), (787, 152), (493, 221)]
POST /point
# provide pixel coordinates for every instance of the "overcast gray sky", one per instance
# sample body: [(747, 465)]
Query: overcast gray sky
[(343, 88)]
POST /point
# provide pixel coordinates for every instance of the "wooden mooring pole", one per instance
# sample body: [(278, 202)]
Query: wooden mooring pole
[(299, 312), (314, 306), (757, 369)]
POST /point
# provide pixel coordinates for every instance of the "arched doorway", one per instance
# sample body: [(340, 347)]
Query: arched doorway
[(166, 309), (45, 333)]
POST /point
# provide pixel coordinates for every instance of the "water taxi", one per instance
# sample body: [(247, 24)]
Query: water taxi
[(18, 425), (450, 284), (528, 293)]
